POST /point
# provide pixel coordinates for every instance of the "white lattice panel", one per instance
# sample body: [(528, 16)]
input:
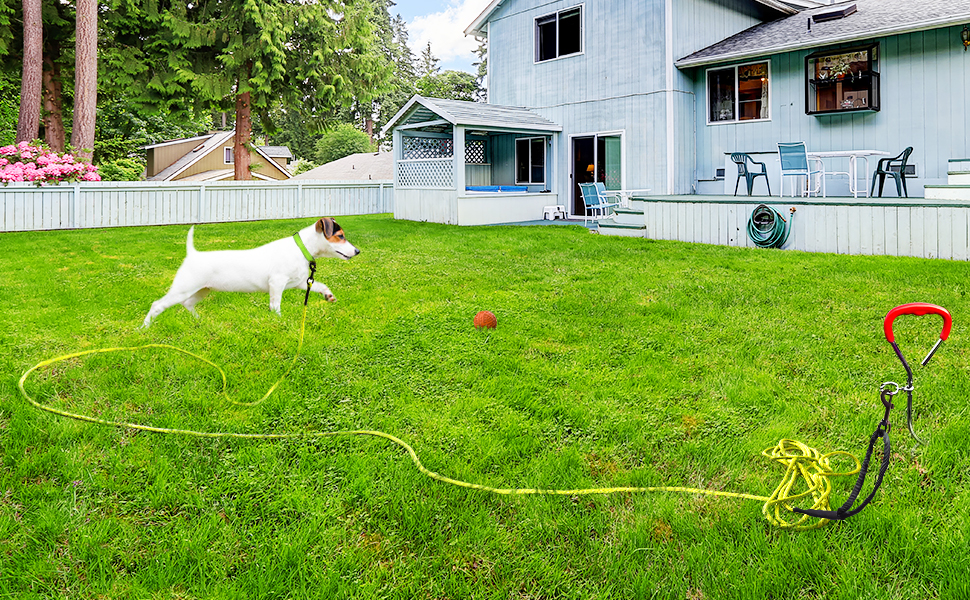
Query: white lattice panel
[(438, 174), (475, 152), (419, 147)]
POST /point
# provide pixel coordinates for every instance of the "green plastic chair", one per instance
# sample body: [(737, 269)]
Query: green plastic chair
[(741, 159), (894, 167)]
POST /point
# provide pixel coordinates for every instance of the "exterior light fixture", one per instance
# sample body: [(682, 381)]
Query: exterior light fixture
[(965, 36)]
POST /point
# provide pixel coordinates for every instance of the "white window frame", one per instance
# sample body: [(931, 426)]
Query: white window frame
[(737, 95), (582, 34), (227, 155), (545, 160)]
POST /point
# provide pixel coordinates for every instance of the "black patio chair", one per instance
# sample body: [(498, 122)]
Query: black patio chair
[(742, 160), (894, 167)]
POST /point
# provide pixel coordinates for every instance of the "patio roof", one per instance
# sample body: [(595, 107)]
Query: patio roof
[(872, 19), (436, 114)]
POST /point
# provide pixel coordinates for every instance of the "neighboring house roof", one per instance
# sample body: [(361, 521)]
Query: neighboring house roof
[(469, 114), (207, 144), (178, 141), (367, 165), (479, 26), (872, 19), (213, 141), (276, 151), (222, 175)]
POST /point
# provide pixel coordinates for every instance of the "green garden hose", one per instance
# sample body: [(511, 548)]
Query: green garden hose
[(767, 228)]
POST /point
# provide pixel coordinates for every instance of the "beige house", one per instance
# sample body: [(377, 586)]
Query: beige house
[(210, 158)]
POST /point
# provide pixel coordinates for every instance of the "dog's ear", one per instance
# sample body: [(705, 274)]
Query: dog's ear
[(326, 226)]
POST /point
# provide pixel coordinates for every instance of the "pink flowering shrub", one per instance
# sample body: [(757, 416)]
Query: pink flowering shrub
[(34, 163)]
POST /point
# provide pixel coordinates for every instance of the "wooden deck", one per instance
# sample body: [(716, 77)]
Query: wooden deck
[(843, 225)]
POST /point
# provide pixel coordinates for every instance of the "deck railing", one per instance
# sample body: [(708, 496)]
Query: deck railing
[(123, 204)]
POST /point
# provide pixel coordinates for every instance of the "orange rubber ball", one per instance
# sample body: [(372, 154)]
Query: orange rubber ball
[(485, 319)]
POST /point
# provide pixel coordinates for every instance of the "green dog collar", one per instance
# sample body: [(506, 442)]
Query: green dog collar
[(313, 265), (306, 253)]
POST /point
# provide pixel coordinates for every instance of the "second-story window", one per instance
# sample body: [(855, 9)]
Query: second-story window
[(227, 156), (559, 34)]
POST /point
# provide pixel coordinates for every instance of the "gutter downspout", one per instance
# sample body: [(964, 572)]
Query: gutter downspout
[(669, 65)]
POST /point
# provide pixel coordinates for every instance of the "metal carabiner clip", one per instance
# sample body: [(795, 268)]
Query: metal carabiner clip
[(915, 308)]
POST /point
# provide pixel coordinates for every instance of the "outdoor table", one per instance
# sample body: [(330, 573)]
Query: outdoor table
[(623, 196), (853, 173)]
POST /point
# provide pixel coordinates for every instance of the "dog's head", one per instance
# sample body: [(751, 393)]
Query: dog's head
[(336, 245)]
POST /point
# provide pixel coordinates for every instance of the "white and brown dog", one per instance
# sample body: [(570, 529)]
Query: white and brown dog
[(272, 268)]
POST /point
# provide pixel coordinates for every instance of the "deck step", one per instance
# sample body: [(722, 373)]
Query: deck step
[(958, 177), (958, 164), (612, 227), (947, 192), (628, 216)]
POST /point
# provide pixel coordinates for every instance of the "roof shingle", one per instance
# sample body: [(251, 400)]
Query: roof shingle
[(874, 18)]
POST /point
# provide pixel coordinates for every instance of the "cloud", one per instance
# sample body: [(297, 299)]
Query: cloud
[(445, 31)]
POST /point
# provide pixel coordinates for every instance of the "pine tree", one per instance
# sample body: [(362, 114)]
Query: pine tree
[(481, 74), (28, 123), (85, 78), (259, 54), (428, 63)]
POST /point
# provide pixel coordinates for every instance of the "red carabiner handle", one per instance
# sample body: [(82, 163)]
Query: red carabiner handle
[(917, 308)]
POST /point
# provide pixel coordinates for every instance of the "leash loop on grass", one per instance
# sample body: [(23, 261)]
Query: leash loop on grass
[(886, 392), (803, 464)]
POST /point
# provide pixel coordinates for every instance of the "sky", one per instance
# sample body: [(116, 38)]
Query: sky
[(442, 22)]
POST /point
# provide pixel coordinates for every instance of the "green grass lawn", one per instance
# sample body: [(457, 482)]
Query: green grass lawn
[(616, 362)]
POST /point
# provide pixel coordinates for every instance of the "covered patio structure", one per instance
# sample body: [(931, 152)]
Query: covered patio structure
[(469, 163)]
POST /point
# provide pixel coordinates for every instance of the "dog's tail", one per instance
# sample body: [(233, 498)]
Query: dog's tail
[(189, 243)]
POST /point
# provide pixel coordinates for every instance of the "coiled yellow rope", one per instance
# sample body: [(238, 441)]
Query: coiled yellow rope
[(802, 463)]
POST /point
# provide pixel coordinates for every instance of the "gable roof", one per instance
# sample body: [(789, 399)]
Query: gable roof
[(276, 151), (872, 19), (208, 143), (479, 26), (198, 138), (470, 114), (188, 159), (362, 166), (223, 175)]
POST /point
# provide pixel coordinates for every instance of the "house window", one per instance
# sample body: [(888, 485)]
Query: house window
[(559, 34), (842, 81), (738, 93), (530, 160), (228, 156)]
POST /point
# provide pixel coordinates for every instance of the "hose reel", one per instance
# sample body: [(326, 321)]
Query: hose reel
[(767, 228)]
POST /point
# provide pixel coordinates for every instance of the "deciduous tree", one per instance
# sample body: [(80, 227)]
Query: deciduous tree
[(342, 141)]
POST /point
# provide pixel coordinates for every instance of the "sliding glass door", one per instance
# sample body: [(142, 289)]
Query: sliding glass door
[(595, 158)]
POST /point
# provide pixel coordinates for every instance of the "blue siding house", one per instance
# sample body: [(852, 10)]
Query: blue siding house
[(656, 94)]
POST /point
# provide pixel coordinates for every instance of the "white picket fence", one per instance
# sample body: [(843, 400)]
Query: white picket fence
[(124, 204)]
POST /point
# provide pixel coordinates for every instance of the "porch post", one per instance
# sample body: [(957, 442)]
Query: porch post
[(397, 150), (459, 139), (551, 162)]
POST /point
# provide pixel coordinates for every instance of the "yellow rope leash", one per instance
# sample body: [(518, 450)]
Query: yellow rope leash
[(802, 463)]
